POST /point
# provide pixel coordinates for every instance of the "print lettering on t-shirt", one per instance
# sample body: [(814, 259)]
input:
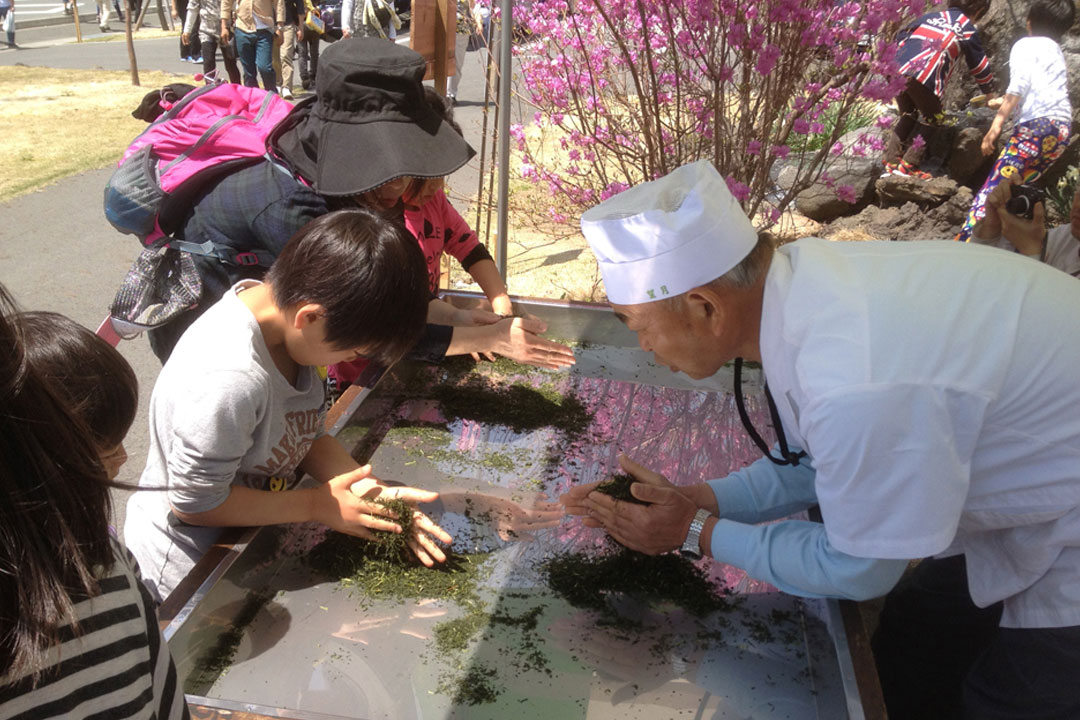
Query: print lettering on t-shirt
[(301, 427)]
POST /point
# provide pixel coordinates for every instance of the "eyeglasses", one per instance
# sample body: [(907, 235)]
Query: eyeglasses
[(786, 456)]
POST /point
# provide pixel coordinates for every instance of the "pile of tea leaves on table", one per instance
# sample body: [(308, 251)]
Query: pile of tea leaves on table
[(589, 582), (516, 638), (519, 406), (379, 572), (505, 393), (618, 487)]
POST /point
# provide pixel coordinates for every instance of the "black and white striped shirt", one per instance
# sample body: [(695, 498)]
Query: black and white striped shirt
[(119, 668)]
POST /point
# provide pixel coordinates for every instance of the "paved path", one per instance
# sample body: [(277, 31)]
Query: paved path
[(57, 251)]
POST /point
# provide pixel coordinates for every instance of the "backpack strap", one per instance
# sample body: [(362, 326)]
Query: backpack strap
[(227, 255)]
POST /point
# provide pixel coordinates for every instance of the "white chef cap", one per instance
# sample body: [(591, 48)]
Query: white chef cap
[(662, 238)]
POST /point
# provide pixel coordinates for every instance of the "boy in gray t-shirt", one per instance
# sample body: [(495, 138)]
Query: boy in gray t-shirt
[(238, 408)]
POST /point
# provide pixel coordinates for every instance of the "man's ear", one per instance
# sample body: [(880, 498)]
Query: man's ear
[(705, 308), (308, 314)]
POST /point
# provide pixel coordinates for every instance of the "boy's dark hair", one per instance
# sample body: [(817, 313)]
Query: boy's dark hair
[(1051, 18), (369, 274), (54, 508), (92, 376)]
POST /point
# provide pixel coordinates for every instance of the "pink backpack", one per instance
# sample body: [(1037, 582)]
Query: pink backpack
[(207, 134)]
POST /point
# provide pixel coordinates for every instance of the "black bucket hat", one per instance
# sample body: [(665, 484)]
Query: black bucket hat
[(368, 122)]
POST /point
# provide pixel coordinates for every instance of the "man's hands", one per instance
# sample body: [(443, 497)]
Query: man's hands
[(347, 503), (1027, 236), (226, 36), (652, 529)]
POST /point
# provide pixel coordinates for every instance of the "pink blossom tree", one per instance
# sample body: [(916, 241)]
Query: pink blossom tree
[(628, 90)]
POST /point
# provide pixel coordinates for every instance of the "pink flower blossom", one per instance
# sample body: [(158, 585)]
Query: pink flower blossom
[(641, 86), (847, 194), (613, 188), (767, 59), (739, 191)]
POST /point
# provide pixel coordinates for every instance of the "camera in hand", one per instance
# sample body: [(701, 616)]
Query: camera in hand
[(1022, 202)]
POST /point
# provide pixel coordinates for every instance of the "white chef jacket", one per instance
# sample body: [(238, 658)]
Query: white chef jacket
[(936, 387)]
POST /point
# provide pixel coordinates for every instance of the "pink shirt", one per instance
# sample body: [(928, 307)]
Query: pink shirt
[(439, 227)]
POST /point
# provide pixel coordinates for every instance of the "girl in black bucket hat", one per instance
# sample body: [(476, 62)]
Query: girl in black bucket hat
[(369, 104), (421, 205)]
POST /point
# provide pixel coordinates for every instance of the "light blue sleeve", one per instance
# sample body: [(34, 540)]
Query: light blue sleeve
[(764, 491), (796, 557)]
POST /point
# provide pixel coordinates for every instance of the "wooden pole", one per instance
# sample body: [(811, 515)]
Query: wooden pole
[(441, 9), (78, 27), (142, 14), (131, 46), (433, 31), (163, 17)]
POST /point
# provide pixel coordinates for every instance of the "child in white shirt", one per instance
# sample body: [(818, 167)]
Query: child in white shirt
[(1038, 84)]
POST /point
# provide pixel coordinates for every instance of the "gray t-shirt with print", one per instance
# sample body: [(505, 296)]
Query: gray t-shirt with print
[(221, 414)]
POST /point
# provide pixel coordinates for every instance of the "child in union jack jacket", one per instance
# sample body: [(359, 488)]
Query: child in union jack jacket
[(929, 49)]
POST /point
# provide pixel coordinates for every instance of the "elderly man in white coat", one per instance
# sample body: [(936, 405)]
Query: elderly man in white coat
[(927, 398)]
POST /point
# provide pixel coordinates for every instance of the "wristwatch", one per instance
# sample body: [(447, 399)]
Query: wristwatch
[(691, 547)]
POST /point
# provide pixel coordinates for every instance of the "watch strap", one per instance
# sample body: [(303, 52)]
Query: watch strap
[(692, 545)]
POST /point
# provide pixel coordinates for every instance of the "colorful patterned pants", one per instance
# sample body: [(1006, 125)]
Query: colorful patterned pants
[(1032, 148)]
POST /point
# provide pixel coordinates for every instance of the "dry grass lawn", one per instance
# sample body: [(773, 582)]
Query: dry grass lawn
[(543, 259), (57, 123), (145, 34)]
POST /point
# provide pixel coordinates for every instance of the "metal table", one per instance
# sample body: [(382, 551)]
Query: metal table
[(305, 646)]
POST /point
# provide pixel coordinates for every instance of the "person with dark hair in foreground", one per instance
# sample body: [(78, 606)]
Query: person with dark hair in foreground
[(240, 407), (930, 415), (79, 635)]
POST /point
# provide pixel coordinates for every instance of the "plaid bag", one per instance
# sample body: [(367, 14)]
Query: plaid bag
[(161, 284)]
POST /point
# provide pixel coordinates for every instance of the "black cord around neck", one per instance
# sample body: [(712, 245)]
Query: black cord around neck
[(786, 456)]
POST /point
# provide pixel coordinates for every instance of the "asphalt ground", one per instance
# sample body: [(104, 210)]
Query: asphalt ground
[(57, 251)]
